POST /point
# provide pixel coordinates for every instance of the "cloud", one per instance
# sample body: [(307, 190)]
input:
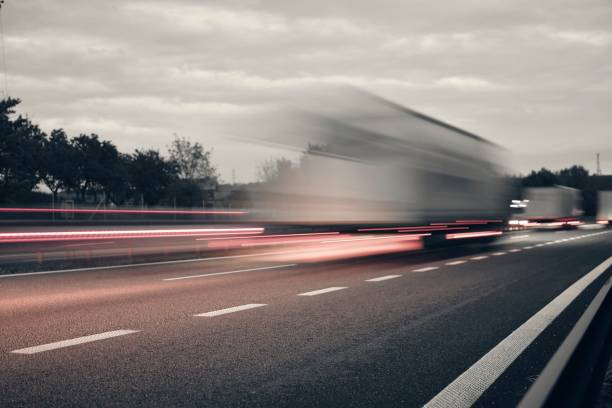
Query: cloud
[(592, 38), (467, 83), (513, 71)]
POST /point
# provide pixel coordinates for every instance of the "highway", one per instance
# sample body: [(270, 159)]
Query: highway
[(399, 329)]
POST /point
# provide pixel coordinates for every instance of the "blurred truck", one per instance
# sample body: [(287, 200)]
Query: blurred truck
[(552, 207), (604, 207), (370, 165)]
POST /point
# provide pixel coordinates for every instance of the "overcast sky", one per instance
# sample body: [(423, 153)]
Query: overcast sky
[(532, 76)]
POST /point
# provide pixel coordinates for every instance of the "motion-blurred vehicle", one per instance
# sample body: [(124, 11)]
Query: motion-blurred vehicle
[(373, 166), (604, 207), (552, 207)]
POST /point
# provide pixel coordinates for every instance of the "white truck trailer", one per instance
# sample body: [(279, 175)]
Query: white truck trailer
[(380, 166), (556, 206), (604, 207)]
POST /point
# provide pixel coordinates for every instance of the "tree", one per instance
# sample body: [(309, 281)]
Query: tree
[(193, 161), (575, 176), (20, 150), (151, 175), (540, 178), (116, 185), (274, 169), (58, 168), (99, 166)]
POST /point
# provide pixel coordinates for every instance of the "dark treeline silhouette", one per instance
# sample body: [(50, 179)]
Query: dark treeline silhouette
[(89, 169)]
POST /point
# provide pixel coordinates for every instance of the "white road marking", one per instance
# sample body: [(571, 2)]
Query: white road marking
[(540, 390), (469, 386), (514, 250), (383, 278), (73, 342), (230, 310), (520, 237), (321, 291), (462, 261), (528, 247), (478, 258), (499, 253), (178, 261), (426, 269), (540, 245), (263, 268)]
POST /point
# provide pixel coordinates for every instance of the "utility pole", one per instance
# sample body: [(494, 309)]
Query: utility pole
[(598, 171)]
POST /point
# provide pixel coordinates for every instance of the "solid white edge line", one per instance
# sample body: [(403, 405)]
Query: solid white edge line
[(263, 268), (73, 342), (539, 391), (383, 278), (321, 291), (99, 268), (231, 310), (466, 389)]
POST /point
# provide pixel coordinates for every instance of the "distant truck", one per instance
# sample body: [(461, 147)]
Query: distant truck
[(550, 207), (604, 207)]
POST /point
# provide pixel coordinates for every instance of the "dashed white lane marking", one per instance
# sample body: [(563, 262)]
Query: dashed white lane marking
[(519, 237), (263, 268), (514, 250), (469, 386), (540, 245), (230, 310), (383, 278), (321, 291), (456, 262), (499, 253), (528, 247), (426, 269), (73, 342), (478, 258)]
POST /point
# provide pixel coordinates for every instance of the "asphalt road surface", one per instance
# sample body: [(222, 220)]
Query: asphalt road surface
[(395, 330)]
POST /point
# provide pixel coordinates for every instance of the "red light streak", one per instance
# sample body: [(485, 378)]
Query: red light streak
[(479, 221), (422, 227), (92, 211), (403, 237), (477, 234), (435, 229), (42, 236), (237, 242)]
